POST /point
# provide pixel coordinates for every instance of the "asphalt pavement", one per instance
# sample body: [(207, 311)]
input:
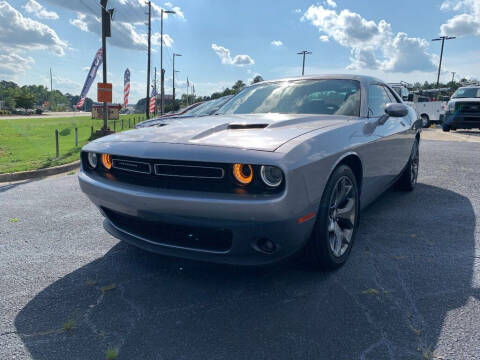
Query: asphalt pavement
[(411, 289)]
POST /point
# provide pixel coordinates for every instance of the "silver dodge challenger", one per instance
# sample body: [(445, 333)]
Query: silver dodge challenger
[(285, 165)]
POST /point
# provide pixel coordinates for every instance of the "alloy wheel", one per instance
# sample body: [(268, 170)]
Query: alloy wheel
[(342, 214)]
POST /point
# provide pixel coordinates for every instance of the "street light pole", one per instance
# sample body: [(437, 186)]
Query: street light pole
[(173, 79), (453, 76), (162, 70), (442, 39), (304, 52)]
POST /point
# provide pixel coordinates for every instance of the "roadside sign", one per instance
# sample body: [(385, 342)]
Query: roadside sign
[(104, 92)]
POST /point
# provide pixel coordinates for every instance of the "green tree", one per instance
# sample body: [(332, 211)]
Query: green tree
[(257, 79), (239, 85), (25, 100)]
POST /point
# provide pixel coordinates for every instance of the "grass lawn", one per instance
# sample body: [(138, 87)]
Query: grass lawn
[(28, 144)]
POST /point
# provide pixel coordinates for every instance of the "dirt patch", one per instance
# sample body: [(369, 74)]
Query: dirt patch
[(462, 136)]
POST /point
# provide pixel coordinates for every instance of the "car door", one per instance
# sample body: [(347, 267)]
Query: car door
[(390, 132)]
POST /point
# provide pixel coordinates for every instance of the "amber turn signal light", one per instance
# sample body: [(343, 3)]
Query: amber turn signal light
[(107, 161), (243, 173)]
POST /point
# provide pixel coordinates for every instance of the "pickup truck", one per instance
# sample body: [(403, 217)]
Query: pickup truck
[(463, 109)]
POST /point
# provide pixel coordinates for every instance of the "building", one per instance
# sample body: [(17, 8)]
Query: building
[(113, 111)]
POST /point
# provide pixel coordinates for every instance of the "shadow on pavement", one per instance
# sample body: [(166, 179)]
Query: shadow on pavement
[(411, 264)]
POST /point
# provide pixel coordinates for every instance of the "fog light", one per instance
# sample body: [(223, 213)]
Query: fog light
[(271, 175), (243, 173), (92, 160), (266, 245), (107, 161)]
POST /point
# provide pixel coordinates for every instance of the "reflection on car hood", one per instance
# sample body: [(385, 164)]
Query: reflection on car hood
[(253, 131)]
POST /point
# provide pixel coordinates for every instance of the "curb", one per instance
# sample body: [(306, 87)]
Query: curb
[(31, 174)]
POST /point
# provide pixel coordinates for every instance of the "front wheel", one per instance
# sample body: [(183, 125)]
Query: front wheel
[(408, 180), (445, 127), (337, 220)]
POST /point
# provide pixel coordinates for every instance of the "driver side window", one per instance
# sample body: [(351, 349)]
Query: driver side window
[(377, 100)]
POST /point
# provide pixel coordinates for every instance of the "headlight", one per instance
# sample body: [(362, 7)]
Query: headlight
[(107, 161), (92, 160), (451, 106), (271, 175), (243, 173)]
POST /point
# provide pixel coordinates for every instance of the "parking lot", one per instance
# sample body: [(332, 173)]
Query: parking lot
[(410, 290)]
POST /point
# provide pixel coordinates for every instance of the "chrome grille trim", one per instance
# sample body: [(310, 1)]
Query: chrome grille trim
[(115, 166), (222, 171)]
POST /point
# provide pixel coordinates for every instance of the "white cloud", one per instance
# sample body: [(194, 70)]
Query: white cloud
[(21, 33), (372, 45), (297, 11), (129, 11), (13, 64), (226, 58), (277, 43), (126, 34), (33, 7), (331, 3), (324, 38), (465, 23)]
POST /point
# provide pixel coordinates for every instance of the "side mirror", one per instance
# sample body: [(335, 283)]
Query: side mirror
[(396, 110)]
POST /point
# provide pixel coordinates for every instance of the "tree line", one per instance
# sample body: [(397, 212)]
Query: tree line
[(34, 97)]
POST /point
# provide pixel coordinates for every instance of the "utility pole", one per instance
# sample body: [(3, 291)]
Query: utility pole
[(442, 39), (173, 78), (304, 52), (162, 70), (453, 76), (106, 32), (155, 87), (51, 81), (147, 103)]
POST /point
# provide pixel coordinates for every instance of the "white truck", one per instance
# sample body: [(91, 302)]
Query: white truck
[(429, 111)]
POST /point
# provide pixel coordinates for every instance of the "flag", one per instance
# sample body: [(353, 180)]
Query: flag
[(188, 82), (126, 87), (97, 60), (153, 100)]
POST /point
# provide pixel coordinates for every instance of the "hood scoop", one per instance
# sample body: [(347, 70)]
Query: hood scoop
[(246, 126)]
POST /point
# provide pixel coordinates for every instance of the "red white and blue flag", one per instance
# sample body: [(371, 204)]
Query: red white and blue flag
[(153, 100), (126, 87), (97, 60)]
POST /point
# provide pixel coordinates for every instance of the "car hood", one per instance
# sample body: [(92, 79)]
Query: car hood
[(455, 100), (264, 132)]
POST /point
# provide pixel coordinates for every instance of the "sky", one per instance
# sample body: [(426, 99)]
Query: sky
[(222, 41)]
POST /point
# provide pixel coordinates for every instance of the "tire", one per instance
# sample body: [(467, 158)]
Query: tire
[(425, 121), (335, 227), (445, 127), (408, 180)]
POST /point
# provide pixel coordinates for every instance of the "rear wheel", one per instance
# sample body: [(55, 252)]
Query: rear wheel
[(335, 228), (408, 180), (425, 121)]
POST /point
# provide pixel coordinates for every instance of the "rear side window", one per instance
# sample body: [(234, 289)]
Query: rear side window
[(377, 100)]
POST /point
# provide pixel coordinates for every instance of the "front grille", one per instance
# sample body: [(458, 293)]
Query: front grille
[(467, 107), (192, 237), (189, 171), (180, 175)]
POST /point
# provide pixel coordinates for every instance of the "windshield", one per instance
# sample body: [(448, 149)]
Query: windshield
[(330, 97), (205, 109), (467, 93)]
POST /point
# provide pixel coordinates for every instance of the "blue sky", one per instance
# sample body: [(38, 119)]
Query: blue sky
[(224, 40)]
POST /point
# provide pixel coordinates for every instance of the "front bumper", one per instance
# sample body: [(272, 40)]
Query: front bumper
[(462, 120), (247, 220)]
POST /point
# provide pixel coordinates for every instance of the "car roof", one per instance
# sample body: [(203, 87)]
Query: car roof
[(361, 78)]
